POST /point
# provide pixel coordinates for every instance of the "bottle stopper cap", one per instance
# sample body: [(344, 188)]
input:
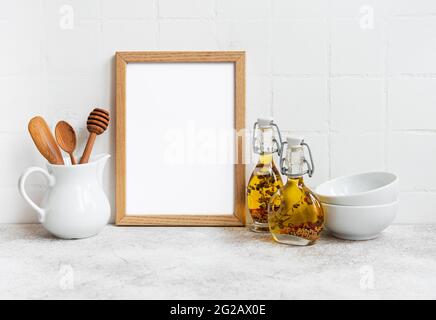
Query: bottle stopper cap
[(294, 141), (265, 122)]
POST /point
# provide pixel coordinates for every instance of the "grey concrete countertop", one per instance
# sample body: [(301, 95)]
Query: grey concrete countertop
[(214, 263)]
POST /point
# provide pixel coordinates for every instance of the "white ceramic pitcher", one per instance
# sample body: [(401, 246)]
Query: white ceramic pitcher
[(75, 205)]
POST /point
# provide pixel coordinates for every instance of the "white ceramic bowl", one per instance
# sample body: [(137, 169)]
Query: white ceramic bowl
[(358, 222), (364, 189)]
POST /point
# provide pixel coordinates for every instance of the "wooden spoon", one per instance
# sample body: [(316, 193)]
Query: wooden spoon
[(66, 138), (44, 140), (97, 123)]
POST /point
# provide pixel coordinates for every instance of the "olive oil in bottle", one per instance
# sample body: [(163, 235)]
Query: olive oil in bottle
[(295, 215), (265, 180)]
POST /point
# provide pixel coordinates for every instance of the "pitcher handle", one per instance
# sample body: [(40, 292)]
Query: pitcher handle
[(21, 187)]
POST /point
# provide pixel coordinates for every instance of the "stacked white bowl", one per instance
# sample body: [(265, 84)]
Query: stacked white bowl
[(360, 206)]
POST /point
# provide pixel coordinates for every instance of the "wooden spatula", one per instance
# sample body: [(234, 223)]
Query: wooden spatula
[(44, 140), (97, 123)]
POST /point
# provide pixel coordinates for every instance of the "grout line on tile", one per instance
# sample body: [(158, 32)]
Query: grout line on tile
[(329, 96), (385, 37), (187, 19), (412, 76), (125, 20), (298, 75), (357, 76), (215, 9), (415, 131), (158, 33), (416, 16), (271, 60), (44, 57), (418, 190)]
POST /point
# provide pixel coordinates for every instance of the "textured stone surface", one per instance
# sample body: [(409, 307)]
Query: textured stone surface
[(216, 263)]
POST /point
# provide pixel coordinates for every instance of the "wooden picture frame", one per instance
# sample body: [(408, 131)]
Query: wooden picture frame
[(235, 218)]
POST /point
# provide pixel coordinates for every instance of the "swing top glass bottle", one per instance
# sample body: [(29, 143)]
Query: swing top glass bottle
[(265, 179), (295, 215)]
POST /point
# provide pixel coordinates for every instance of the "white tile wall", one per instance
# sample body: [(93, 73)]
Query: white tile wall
[(21, 47), (82, 9), (413, 7), (411, 45), (20, 9), (416, 206), (81, 47), (299, 9), (357, 105), (259, 98), (243, 9), (412, 157), (128, 9), (353, 8), (13, 99), (354, 50), (299, 47), (356, 152), (295, 105), (411, 103), (250, 36), (187, 9), (365, 99), (192, 35)]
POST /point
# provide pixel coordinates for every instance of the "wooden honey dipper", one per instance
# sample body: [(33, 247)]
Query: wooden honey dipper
[(97, 123)]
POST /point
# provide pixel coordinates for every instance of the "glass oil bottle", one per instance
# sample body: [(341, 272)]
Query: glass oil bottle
[(295, 215), (265, 179)]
